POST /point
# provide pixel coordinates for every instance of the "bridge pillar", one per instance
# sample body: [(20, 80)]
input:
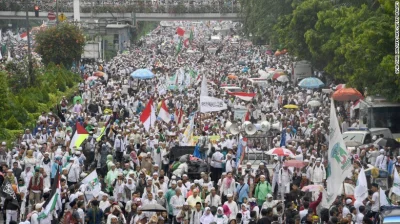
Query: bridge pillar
[(77, 11)]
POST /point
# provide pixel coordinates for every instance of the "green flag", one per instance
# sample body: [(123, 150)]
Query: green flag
[(191, 36), (179, 47)]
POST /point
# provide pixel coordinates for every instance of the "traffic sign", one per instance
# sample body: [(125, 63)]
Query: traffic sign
[(62, 17), (51, 16)]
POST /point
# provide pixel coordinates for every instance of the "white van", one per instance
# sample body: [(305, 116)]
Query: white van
[(364, 135)]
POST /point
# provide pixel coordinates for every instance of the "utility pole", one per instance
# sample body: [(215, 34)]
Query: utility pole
[(30, 70), (57, 12)]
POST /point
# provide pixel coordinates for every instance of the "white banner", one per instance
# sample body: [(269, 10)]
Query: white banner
[(211, 104), (396, 183), (339, 159), (93, 185), (239, 113)]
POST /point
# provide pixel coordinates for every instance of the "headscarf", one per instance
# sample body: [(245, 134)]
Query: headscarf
[(227, 210), (207, 219), (134, 157), (222, 210), (129, 186)]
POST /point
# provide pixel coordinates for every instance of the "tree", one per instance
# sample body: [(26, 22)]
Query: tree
[(60, 44), (3, 96)]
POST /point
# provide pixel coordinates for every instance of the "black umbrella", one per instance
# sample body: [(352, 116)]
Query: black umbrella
[(387, 142)]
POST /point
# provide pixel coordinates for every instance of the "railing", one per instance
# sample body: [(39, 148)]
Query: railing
[(10, 5)]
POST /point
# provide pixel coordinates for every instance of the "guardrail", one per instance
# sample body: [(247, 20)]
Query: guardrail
[(127, 8)]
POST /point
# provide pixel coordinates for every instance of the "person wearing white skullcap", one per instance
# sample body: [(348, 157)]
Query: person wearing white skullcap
[(177, 201), (318, 173), (35, 213), (213, 199), (381, 160), (232, 206)]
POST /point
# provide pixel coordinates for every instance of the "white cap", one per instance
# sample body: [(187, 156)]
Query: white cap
[(306, 161), (229, 195), (349, 201), (269, 195), (276, 158), (382, 151), (46, 190), (318, 160)]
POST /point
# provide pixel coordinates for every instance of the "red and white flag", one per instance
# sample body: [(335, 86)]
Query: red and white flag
[(178, 116), (164, 114), (246, 116), (148, 116), (242, 95)]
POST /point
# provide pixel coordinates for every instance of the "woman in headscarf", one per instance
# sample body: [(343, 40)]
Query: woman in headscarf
[(129, 189), (207, 216), (245, 214), (135, 160), (220, 217)]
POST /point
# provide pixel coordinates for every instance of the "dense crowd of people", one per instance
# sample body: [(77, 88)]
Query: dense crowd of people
[(140, 183)]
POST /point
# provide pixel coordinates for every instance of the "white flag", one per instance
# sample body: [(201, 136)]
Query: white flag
[(93, 185), (204, 87), (396, 183), (382, 198), (361, 190), (211, 104), (339, 159)]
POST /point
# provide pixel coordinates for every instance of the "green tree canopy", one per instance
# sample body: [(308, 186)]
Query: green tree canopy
[(60, 44)]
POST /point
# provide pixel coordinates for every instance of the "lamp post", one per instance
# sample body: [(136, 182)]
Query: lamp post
[(30, 71)]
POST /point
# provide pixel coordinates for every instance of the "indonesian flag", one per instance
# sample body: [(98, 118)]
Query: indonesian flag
[(79, 136), (24, 36), (178, 116), (148, 116), (164, 114), (242, 95), (246, 116), (54, 200), (186, 43)]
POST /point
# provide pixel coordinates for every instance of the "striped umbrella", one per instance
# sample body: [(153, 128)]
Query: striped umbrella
[(311, 83)]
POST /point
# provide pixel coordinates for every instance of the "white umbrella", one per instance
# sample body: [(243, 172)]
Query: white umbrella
[(283, 78), (314, 103)]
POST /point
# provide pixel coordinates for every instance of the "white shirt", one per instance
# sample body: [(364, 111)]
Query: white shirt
[(303, 213), (213, 201), (381, 162), (359, 219), (375, 199), (234, 209), (177, 201)]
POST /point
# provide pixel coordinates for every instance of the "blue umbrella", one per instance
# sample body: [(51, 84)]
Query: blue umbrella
[(142, 74), (311, 83)]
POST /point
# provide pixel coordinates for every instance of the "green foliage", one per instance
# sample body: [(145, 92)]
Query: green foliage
[(60, 44), (350, 40), (13, 124)]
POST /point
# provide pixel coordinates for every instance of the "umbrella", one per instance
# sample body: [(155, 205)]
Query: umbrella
[(153, 208), (230, 76), (283, 78), (92, 78), (387, 142), (353, 143), (245, 69), (142, 74), (347, 94), (294, 163), (340, 86), (277, 53), (280, 152), (314, 103), (311, 83), (291, 106), (277, 74), (99, 74), (314, 187), (263, 74)]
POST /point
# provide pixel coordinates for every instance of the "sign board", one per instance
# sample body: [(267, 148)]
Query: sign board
[(51, 15), (213, 139), (239, 113), (62, 17), (92, 50), (383, 183)]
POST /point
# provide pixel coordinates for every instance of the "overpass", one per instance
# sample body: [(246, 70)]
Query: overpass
[(127, 16), (135, 12)]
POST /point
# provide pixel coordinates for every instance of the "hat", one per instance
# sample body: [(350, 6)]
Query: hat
[(269, 195), (318, 160), (306, 161), (46, 190), (229, 195), (39, 205), (262, 164), (382, 151), (248, 164), (276, 158), (349, 201)]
